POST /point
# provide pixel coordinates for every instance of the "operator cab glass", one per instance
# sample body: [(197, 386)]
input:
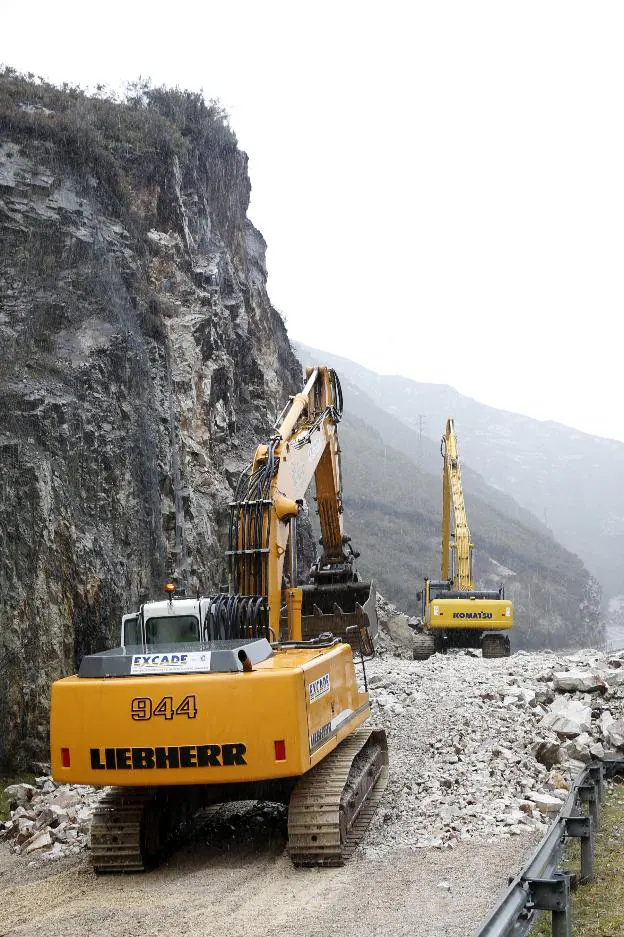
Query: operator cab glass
[(172, 629), (131, 630), (439, 590)]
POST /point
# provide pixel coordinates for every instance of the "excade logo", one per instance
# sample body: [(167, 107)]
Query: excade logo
[(190, 662), (171, 756), (472, 614), (319, 687)]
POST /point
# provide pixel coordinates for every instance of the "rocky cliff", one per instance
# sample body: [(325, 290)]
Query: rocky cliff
[(140, 363)]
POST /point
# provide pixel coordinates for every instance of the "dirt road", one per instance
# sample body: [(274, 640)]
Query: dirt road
[(233, 878)]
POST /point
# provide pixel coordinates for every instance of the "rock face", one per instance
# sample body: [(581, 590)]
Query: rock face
[(141, 362)]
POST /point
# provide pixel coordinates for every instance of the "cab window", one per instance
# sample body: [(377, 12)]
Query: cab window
[(172, 629), (438, 591), (132, 630)]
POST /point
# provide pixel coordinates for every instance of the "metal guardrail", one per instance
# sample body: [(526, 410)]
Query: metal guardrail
[(541, 886)]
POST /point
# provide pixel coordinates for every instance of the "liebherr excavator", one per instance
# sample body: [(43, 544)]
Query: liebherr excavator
[(454, 614), (250, 694)]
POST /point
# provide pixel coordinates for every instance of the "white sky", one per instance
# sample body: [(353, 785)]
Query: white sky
[(441, 184)]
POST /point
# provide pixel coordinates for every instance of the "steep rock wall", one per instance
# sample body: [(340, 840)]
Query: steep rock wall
[(140, 363)]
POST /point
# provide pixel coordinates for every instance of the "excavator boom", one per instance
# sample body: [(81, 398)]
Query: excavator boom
[(460, 548), (263, 525), (454, 613)]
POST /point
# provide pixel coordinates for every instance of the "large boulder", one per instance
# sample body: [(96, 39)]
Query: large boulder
[(545, 803), (567, 717), (614, 733), (548, 753), (579, 748), (400, 631), (18, 795), (578, 681)]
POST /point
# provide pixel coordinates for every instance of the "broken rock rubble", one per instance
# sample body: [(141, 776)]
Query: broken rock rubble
[(48, 819), (481, 749)]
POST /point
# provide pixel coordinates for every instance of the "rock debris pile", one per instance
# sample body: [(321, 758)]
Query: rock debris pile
[(479, 749), (487, 748), (49, 819)]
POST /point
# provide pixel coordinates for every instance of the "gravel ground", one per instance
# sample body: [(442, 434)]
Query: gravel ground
[(467, 800), (246, 887)]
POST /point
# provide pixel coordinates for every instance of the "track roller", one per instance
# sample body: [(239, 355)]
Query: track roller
[(133, 827), (424, 646)]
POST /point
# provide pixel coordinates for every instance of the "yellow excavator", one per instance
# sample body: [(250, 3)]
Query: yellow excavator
[(454, 613), (245, 695)]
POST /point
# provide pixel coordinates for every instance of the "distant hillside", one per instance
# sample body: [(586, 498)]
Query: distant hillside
[(392, 513), (567, 479)]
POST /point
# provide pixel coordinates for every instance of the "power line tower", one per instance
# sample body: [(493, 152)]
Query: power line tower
[(421, 425)]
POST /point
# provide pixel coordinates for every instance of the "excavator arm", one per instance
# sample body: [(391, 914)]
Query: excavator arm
[(263, 527), (459, 551)]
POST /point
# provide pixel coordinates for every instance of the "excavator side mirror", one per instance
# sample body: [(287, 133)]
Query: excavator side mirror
[(419, 595)]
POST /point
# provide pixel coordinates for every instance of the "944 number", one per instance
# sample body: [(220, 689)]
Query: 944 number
[(144, 708)]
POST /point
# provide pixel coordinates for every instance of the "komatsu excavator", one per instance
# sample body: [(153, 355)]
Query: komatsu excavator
[(250, 694), (454, 614)]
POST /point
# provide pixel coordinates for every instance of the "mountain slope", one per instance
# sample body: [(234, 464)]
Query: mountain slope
[(392, 513), (567, 478)]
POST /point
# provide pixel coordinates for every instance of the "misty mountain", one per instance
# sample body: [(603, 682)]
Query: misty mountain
[(567, 480), (392, 514)]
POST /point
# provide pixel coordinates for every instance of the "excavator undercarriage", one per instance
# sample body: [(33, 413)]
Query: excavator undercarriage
[(329, 809)]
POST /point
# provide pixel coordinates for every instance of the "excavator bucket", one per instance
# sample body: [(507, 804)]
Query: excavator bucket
[(348, 610)]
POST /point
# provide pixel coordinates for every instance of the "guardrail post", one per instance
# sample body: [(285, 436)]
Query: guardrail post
[(553, 894), (587, 795), (596, 772), (581, 828)]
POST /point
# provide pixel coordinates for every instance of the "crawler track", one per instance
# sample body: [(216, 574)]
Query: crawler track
[(330, 809), (332, 805), (118, 831)]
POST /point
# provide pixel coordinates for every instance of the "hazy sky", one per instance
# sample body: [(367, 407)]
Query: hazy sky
[(441, 184)]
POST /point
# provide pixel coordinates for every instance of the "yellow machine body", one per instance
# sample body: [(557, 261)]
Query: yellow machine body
[(276, 721), (479, 614), (243, 693)]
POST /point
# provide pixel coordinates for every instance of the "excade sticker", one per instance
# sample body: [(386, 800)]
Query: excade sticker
[(191, 662), (319, 687), (472, 615)]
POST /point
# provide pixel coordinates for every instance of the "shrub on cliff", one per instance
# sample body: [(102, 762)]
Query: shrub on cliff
[(110, 137)]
